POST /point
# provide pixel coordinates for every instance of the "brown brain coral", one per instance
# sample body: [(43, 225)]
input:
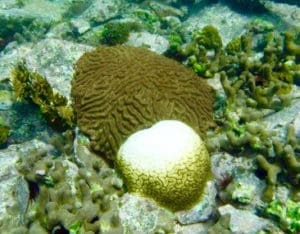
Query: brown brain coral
[(119, 90)]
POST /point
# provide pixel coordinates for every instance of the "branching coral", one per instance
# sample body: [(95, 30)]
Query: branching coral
[(203, 42), (66, 197), (257, 71)]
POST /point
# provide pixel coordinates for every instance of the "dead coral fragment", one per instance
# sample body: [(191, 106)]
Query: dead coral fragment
[(31, 86)]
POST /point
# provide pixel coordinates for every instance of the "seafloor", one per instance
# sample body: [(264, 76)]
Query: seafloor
[(247, 50)]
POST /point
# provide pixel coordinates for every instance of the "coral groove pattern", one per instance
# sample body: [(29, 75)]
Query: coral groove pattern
[(174, 168), (119, 90)]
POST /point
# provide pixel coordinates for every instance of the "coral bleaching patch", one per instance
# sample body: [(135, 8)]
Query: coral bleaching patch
[(167, 162)]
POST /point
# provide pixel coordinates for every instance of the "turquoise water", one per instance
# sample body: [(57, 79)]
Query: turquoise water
[(54, 177)]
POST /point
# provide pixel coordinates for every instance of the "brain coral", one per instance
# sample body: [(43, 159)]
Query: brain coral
[(119, 90), (167, 162)]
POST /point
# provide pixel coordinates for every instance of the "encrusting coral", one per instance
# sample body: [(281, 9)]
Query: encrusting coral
[(119, 90)]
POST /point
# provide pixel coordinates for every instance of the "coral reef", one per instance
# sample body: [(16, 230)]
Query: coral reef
[(253, 89), (134, 88), (31, 86), (119, 91), (207, 39), (65, 196), (258, 71), (175, 164)]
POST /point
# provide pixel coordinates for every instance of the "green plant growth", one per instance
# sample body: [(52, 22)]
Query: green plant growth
[(32, 87), (287, 214), (4, 132), (149, 19), (117, 33)]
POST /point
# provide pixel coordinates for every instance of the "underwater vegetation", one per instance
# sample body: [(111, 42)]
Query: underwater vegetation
[(117, 33), (31, 86), (287, 214), (4, 132)]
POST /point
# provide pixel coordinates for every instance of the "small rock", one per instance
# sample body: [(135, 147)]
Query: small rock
[(296, 124), (222, 17), (281, 119), (54, 59), (60, 31), (197, 228), (154, 42), (224, 166), (142, 216), (204, 210), (80, 25), (102, 10), (7, 4), (246, 189), (243, 221), (8, 172), (10, 56), (288, 14)]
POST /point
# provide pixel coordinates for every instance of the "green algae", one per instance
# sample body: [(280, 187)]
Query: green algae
[(287, 214), (4, 132), (115, 33)]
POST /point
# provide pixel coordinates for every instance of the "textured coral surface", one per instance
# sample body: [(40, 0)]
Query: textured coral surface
[(175, 164), (119, 90)]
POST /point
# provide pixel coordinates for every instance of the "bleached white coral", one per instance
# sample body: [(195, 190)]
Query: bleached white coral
[(167, 162)]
